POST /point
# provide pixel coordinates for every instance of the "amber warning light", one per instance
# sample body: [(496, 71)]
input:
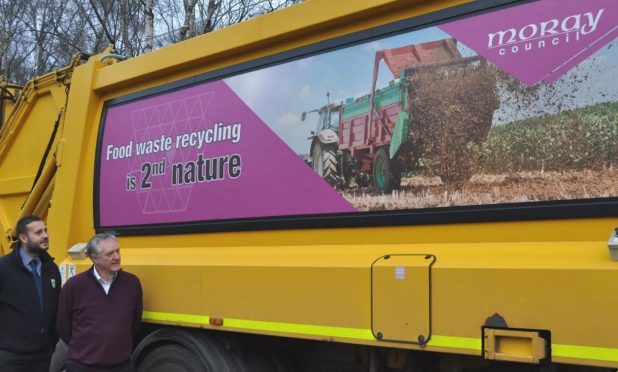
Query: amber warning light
[(216, 321)]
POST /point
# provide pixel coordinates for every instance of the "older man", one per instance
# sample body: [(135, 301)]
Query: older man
[(29, 290), (100, 311)]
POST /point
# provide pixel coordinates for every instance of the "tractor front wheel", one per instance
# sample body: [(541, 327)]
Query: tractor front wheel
[(324, 162)]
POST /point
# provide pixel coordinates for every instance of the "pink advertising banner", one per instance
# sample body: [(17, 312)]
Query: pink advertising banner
[(201, 154), (510, 108), (541, 40)]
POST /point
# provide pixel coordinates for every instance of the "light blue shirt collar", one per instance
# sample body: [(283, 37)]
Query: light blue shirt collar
[(25, 258)]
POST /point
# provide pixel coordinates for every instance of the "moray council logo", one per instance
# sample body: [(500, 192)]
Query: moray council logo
[(542, 40), (545, 34)]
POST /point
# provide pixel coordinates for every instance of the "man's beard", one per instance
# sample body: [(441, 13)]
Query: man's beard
[(34, 248)]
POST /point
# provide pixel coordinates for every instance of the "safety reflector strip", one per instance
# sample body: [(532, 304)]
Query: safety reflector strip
[(466, 343), (172, 317), (585, 352), (304, 329)]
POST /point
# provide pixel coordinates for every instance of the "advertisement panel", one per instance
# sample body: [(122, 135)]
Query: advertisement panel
[(517, 106)]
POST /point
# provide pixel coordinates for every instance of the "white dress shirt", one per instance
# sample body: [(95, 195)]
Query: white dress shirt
[(104, 283)]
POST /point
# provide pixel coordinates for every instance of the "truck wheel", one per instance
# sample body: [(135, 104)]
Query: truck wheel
[(173, 358), (174, 350), (324, 162), (386, 174)]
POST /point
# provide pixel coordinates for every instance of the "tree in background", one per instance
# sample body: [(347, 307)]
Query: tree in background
[(37, 36)]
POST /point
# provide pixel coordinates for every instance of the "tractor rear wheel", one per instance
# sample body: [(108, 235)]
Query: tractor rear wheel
[(324, 162), (386, 173)]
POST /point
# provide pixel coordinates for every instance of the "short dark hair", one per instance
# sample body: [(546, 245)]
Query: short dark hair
[(22, 226)]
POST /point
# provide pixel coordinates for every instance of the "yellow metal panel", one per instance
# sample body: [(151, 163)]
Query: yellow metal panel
[(24, 153), (9, 186), (316, 283), (401, 298), (288, 294), (301, 291), (70, 218), (23, 140), (179, 292), (559, 287)]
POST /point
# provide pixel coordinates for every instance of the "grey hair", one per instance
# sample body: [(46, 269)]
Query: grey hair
[(93, 249)]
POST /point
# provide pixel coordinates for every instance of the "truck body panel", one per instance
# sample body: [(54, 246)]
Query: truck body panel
[(535, 267)]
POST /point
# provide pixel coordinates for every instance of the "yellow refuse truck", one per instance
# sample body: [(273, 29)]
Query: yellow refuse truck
[(194, 155)]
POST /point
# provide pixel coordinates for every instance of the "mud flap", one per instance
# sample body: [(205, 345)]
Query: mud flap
[(400, 133)]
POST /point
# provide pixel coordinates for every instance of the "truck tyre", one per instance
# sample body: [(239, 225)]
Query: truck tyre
[(171, 358), (175, 350), (59, 358), (386, 174), (324, 162)]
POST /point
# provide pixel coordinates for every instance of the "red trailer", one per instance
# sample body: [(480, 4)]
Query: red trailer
[(376, 137)]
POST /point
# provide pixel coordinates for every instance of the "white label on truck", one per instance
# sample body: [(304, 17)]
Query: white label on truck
[(400, 272), (63, 273), (71, 271)]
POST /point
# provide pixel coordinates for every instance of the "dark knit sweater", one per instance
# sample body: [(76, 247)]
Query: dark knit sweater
[(99, 327), (23, 327)]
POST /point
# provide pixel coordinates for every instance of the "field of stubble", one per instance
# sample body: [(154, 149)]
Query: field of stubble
[(482, 189)]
